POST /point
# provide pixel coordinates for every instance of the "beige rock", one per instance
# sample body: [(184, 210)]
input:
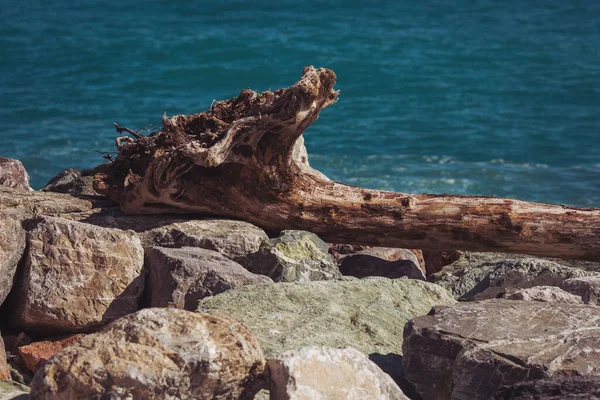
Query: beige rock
[(36, 354), (12, 246), (4, 371), (314, 373), (181, 277), (10, 390), (30, 203), (156, 353), (469, 350), (78, 276), (13, 174)]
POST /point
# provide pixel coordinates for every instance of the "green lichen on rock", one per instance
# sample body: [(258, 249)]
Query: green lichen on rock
[(367, 314), (13, 390), (294, 256)]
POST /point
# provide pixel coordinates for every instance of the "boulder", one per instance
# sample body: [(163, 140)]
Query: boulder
[(588, 288), (294, 256), (4, 370), (550, 294), (77, 277), (364, 261), (181, 277), (366, 314), (72, 182), (326, 373), (156, 353), (470, 350), (565, 388), (10, 390), (12, 246), (31, 203), (36, 354), (479, 276), (13, 174)]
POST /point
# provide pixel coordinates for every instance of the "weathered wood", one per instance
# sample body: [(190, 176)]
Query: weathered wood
[(236, 160)]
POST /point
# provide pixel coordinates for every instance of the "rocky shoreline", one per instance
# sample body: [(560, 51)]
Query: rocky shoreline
[(99, 304)]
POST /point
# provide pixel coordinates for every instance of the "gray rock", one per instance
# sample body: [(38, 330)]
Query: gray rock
[(181, 277), (10, 390), (326, 373), (470, 350), (13, 174), (478, 276), (588, 288), (294, 256), (565, 388), (156, 353), (77, 276), (366, 314), (72, 182), (550, 294), (12, 246)]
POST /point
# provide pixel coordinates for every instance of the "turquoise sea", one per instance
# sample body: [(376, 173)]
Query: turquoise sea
[(473, 97)]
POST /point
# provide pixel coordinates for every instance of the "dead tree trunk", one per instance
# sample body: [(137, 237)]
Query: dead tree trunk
[(235, 160)]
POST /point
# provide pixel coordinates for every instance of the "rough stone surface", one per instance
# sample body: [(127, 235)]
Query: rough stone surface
[(325, 373), (470, 350), (588, 288), (366, 314), (36, 354), (181, 277), (78, 276), (12, 246), (435, 260), (10, 390), (550, 294), (294, 256), (566, 388), (72, 182), (156, 353), (4, 370), (31, 203), (13, 174), (478, 276), (380, 261)]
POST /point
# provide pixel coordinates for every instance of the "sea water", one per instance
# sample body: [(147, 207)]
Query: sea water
[(472, 97)]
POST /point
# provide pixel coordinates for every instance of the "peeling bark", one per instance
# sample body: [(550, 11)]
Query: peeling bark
[(236, 160)]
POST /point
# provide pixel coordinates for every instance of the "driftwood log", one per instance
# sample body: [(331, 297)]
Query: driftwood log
[(236, 160)]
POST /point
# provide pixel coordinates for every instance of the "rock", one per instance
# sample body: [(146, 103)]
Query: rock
[(77, 277), (30, 203), (550, 294), (13, 174), (588, 288), (294, 256), (12, 246), (36, 354), (72, 182), (367, 314), (565, 388), (10, 390), (435, 260), (364, 261), (183, 276), (325, 373), (470, 350), (233, 239), (156, 353), (4, 370), (478, 276)]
